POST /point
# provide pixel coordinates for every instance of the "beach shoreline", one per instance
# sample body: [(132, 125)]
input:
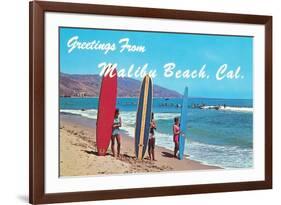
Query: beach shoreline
[(78, 153)]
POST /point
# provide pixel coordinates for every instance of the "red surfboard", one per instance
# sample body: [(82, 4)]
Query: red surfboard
[(106, 111)]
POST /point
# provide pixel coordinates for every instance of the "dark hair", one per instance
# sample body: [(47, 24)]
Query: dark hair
[(116, 111), (152, 116), (176, 119)]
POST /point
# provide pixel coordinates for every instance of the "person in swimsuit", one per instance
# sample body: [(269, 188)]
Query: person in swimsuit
[(151, 141), (176, 131), (116, 133)]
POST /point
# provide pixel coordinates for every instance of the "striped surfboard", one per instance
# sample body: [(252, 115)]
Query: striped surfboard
[(183, 123), (143, 117)]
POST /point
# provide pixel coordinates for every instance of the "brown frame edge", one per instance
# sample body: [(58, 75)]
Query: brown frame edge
[(37, 194)]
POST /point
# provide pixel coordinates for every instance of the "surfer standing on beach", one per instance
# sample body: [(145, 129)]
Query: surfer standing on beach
[(116, 133), (176, 132), (151, 141)]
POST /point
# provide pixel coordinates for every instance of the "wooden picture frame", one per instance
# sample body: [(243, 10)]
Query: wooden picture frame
[(37, 10)]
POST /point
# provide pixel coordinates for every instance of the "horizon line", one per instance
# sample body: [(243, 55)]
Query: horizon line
[(167, 97)]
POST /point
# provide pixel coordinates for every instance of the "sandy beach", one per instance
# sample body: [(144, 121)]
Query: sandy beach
[(78, 153)]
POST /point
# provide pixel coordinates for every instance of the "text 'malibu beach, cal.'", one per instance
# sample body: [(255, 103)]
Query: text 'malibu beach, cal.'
[(218, 119)]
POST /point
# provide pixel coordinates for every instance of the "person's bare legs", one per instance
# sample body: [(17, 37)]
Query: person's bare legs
[(112, 145), (149, 149), (118, 145), (153, 154), (152, 150), (176, 149)]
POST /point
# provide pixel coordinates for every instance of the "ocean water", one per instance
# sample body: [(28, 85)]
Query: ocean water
[(221, 137)]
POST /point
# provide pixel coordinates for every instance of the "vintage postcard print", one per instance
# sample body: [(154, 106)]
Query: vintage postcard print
[(143, 101)]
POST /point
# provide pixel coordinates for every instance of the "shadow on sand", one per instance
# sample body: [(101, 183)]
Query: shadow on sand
[(94, 153), (167, 154)]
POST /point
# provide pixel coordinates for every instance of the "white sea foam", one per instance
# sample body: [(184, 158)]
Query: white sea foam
[(129, 119), (128, 122), (237, 109), (228, 108), (165, 116), (218, 155), (91, 113)]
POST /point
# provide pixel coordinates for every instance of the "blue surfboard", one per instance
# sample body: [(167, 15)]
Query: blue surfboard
[(183, 124), (143, 117)]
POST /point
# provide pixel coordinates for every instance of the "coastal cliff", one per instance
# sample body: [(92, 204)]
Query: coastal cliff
[(78, 85)]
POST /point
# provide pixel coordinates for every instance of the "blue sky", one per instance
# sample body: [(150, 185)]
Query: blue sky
[(187, 51)]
